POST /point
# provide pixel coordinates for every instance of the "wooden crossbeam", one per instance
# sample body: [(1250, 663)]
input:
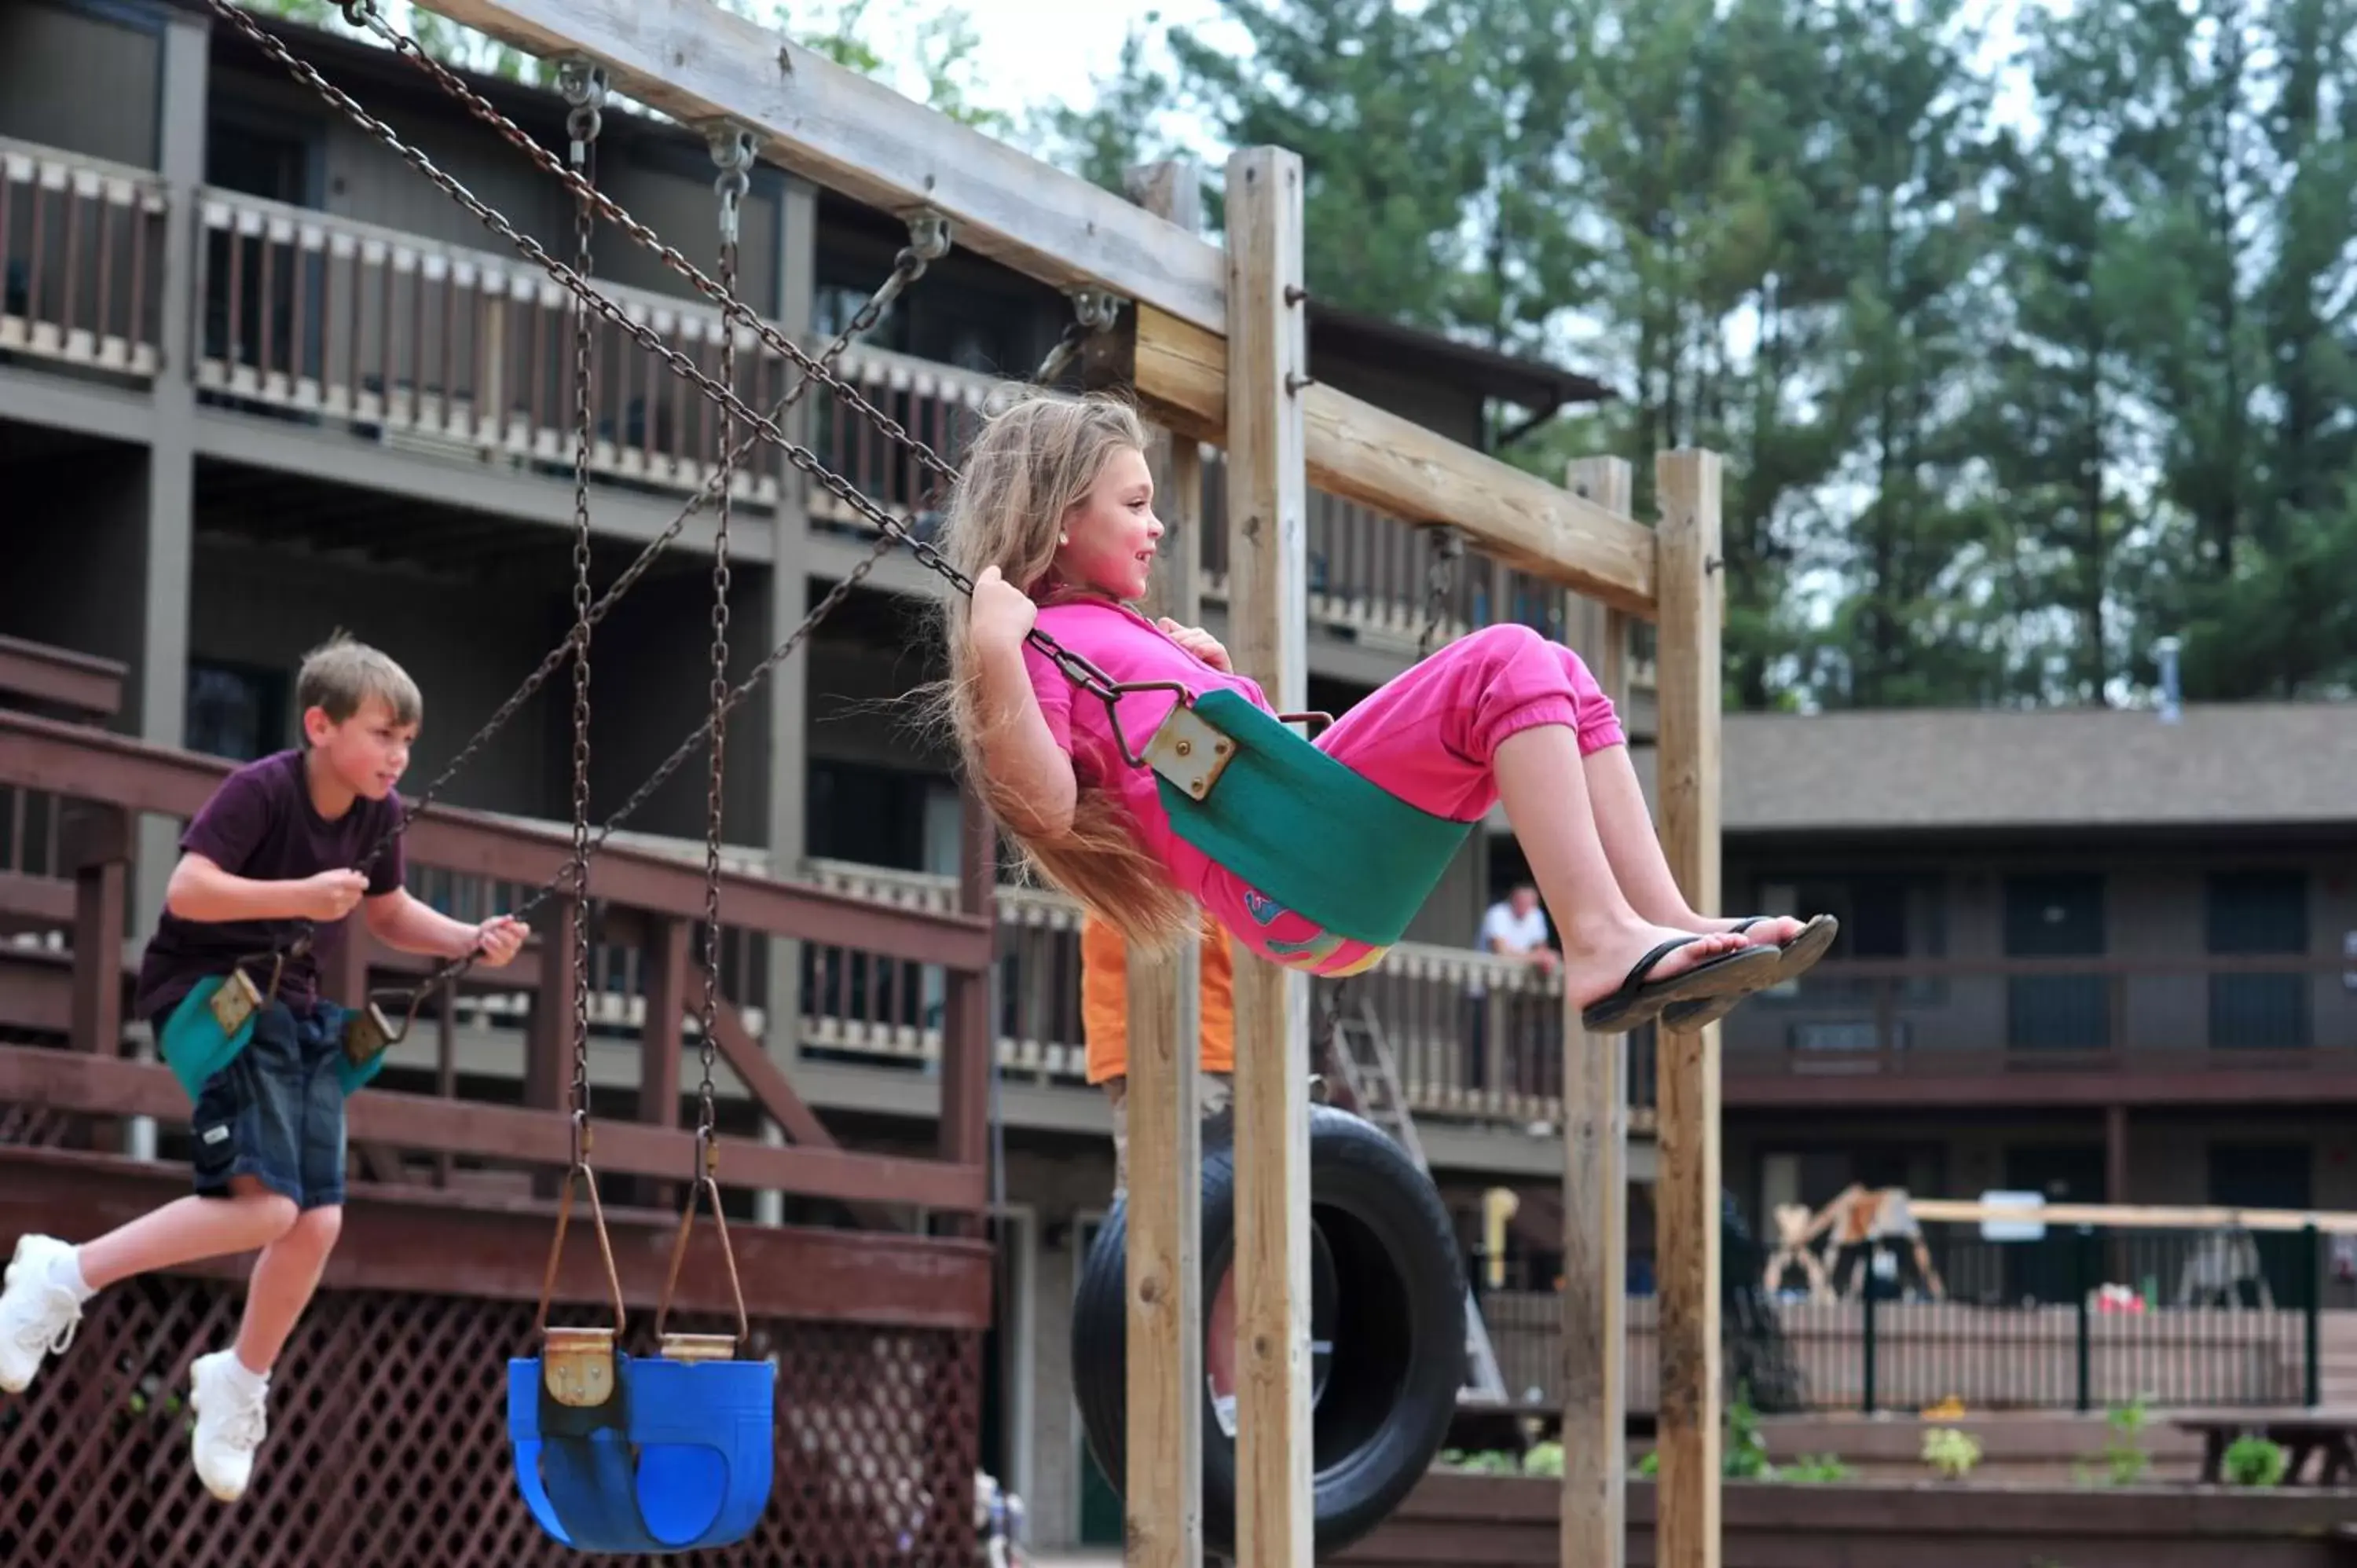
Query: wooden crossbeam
[(699, 64), (74, 761), (1380, 459), (411, 1237), (73, 1081), (80, 682)]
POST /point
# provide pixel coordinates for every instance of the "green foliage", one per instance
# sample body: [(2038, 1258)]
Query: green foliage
[(1539, 1459), (2009, 385), (1120, 130), (1951, 1452), (1743, 1453), (2255, 1461), (2020, 362), (1820, 1467), (2124, 1461)]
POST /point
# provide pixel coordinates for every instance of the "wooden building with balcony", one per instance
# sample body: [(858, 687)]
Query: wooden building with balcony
[(260, 381)]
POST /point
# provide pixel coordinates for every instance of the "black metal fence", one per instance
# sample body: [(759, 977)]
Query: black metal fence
[(2077, 1317)]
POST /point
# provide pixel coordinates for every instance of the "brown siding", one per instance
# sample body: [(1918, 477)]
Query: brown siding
[(79, 83), (2153, 909)]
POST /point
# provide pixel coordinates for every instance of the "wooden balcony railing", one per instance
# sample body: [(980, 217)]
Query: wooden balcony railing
[(441, 348), (72, 790), (2208, 1022), (1477, 1039), (467, 353), (81, 260)]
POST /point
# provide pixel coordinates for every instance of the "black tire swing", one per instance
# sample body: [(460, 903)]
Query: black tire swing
[(1386, 1328)]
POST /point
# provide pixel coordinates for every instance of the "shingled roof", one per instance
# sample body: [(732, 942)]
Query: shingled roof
[(2246, 765)]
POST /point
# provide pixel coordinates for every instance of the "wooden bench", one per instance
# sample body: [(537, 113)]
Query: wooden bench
[(2303, 1433)]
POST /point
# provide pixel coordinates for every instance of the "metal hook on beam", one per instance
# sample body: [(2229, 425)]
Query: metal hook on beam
[(583, 82), (929, 234), (735, 150), (1095, 309)]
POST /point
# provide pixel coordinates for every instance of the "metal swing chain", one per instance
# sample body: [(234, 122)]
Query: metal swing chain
[(583, 86), (732, 150), (928, 241), (1075, 668), (365, 13)]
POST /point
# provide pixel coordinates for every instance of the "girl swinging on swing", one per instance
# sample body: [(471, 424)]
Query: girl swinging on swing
[(1054, 522)]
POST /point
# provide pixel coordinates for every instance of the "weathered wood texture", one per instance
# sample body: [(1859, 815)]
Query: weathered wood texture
[(697, 62), (1267, 497), (1162, 1492), (1508, 1522), (1380, 459), (388, 1446), (82, 763), (1596, 1210), (74, 1080), (408, 1238), (1686, 1209), (79, 683)]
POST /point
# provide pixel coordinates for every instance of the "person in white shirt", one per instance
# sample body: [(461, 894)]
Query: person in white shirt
[(1514, 927)]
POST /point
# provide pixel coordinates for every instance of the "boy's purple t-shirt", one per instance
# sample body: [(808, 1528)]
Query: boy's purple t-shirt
[(260, 824)]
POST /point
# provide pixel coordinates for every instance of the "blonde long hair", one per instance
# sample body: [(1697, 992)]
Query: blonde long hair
[(1029, 466)]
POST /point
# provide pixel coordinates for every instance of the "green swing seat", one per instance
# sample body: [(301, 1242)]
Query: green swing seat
[(1299, 827)]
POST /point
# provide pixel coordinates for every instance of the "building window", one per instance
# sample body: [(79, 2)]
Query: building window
[(2251, 914), (2056, 916), (235, 710), (1883, 915)]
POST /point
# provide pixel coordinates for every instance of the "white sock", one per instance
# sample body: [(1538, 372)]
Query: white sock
[(244, 1379), (67, 1271)]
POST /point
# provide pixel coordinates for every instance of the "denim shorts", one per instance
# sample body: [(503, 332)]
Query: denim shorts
[(277, 1112)]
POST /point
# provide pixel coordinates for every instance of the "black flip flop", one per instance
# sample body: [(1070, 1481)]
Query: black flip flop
[(1638, 1000), (1792, 959)]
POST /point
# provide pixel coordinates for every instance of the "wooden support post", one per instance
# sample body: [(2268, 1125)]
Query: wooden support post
[(1163, 1491), (1690, 570), (1595, 1206), (548, 1054), (445, 1069), (663, 1035), (969, 1032), (346, 979), (95, 844), (1267, 489)]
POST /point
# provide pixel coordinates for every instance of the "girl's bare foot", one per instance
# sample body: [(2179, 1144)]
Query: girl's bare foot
[(1770, 930), (1607, 969)]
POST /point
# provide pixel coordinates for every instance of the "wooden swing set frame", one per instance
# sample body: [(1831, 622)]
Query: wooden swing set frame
[(1212, 344)]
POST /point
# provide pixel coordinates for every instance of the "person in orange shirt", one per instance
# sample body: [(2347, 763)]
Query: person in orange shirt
[(1104, 1025)]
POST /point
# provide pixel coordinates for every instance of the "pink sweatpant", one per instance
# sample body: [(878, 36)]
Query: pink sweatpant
[(1428, 736)]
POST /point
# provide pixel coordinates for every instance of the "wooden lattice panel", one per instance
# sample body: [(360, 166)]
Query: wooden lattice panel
[(388, 1442)]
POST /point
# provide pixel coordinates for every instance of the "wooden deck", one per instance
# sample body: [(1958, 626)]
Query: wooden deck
[(388, 1444)]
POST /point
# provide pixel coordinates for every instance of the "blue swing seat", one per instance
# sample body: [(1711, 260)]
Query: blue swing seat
[(680, 1456)]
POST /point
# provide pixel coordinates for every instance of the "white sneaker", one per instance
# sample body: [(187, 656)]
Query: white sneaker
[(38, 1313), (230, 1423)]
